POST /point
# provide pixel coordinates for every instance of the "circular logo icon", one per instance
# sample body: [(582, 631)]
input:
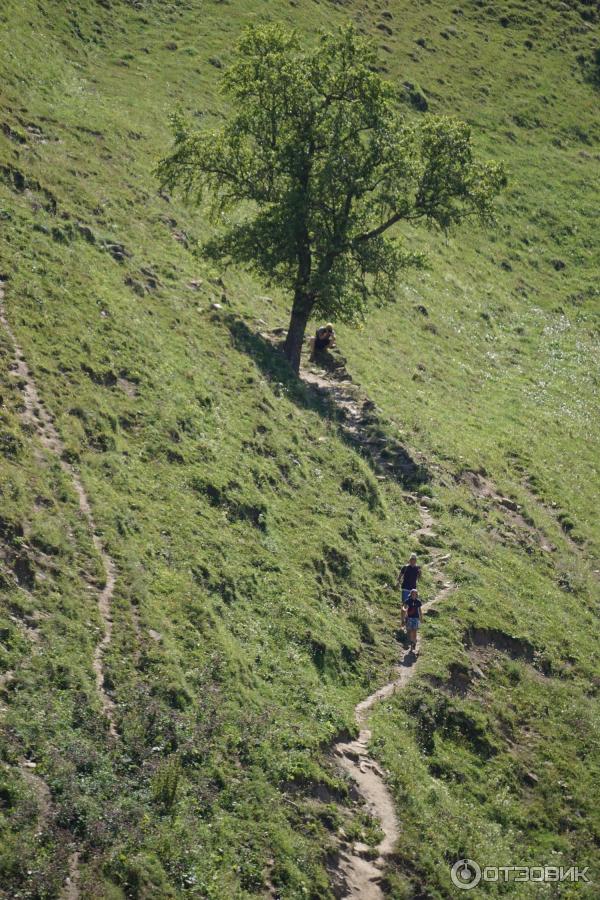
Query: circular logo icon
[(465, 874)]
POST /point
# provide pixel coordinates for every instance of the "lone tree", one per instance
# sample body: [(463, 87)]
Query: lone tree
[(319, 163)]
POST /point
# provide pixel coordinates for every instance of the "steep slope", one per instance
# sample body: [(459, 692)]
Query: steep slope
[(254, 546)]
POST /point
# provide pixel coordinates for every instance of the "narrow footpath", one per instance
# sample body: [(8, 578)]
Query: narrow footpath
[(37, 417), (358, 875)]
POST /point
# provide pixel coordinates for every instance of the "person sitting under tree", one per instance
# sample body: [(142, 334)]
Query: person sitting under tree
[(324, 339), (413, 616)]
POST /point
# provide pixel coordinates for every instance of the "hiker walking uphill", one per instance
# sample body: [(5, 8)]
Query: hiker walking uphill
[(412, 610), (409, 575)]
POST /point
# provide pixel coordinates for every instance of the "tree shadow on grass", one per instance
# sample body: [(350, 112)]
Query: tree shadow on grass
[(384, 453), (272, 363)]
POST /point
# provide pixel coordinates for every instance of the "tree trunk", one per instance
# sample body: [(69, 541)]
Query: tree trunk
[(292, 348)]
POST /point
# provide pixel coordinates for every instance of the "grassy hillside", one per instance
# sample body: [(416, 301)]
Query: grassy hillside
[(255, 548)]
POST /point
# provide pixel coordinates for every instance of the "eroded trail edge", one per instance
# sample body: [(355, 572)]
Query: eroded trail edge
[(361, 876), (37, 417), (360, 869)]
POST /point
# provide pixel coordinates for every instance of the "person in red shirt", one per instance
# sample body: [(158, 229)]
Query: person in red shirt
[(413, 616)]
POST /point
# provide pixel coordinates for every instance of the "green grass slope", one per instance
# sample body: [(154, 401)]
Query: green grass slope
[(255, 549)]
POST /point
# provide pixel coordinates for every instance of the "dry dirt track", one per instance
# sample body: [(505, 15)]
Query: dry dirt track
[(35, 414), (38, 418), (362, 875), (358, 875)]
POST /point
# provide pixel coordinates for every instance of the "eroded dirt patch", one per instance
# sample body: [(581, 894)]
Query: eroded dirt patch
[(480, 641), (521, 528)]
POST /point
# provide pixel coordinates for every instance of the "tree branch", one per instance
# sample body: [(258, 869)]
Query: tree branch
[(375, 232)]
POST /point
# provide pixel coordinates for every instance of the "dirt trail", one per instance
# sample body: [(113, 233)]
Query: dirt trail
[(37, 416), (361, 876), (358, 875), (45, 815), (71, 888), (360, 425)]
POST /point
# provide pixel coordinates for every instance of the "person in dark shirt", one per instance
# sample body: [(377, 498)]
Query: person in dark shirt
[(409, 575), (324, 339), (413, 616)]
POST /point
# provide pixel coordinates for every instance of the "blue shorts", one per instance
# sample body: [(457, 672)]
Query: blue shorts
[(406, 593), (413, 622)]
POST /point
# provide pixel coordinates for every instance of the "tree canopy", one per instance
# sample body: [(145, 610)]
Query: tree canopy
[(317, 163)]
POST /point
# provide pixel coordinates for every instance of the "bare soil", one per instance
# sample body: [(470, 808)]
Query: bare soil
[(358, 871)]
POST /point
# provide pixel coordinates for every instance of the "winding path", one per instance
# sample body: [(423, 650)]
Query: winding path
[(37, 417), (361, 876), (358, 875)]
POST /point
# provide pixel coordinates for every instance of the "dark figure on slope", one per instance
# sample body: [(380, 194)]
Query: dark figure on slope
[(409, 575), (324, 339), (413, 616)]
